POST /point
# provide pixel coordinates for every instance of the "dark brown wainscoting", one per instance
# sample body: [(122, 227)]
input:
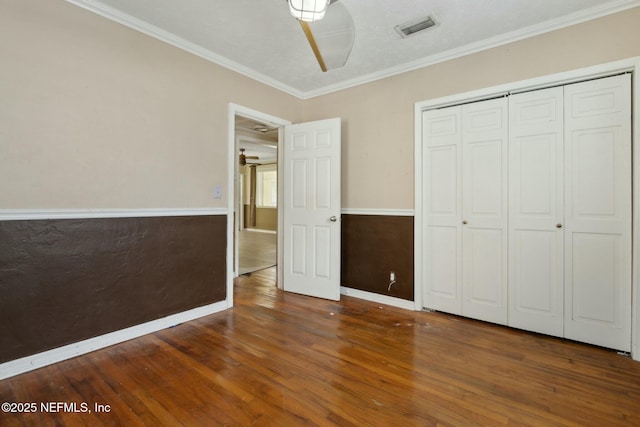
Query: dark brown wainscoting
[(372, 247), (66, 280)]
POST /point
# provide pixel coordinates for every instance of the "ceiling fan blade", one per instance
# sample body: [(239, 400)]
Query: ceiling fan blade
[(314, 46), (332, 37)]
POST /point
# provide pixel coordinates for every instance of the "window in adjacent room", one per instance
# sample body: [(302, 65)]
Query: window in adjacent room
[(267, 186)]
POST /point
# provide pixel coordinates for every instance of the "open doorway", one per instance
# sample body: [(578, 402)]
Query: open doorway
[(234, 178), (257, 198), (309, 170)]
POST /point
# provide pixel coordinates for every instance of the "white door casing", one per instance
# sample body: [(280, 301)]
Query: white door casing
[(536, 211), (598, 212), (311, 211), (484, 210), (232, 187)]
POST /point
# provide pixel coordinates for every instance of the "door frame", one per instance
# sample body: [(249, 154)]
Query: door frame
[(602, 70), (232, 186)]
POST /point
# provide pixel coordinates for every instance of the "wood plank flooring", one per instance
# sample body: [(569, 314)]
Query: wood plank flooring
[(256, 250), (287, 360)]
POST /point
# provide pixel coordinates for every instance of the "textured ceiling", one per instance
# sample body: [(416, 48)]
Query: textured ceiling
[(260, 39)]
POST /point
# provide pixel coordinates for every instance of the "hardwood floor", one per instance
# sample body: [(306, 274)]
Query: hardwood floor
[(286, 360), (256, 250)]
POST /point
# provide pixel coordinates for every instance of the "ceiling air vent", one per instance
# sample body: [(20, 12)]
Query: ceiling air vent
[(409, 28)]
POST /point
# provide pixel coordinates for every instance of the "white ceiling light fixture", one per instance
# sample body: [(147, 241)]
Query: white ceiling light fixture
[(331, 38), (308, 10)]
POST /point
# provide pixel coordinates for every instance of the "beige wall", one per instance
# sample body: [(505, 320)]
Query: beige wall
[(267, 219), (96, 115), (378, 118)]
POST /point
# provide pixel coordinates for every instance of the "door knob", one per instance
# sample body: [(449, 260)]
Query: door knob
[(558, 225), (333, 218), (464, 222)]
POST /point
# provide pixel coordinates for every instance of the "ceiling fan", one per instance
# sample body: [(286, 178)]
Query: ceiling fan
[(329, 30), (243, 158)]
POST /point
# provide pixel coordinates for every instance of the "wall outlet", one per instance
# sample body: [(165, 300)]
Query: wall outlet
[(392, 280)]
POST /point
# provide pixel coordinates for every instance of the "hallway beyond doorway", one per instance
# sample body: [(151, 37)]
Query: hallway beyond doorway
[(257, 250)]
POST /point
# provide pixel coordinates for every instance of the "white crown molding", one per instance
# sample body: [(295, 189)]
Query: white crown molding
[(608, 8), (383, 212), (527, 32), (39, 360), (39, 214), (176, 41)]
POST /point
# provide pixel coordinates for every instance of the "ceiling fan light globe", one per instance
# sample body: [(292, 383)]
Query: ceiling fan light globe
[(308, 10)]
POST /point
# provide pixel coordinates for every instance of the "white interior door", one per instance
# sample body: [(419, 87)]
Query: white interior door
[(484, 210), (442, 255), (598, 212), (536, 211), (311, 209)]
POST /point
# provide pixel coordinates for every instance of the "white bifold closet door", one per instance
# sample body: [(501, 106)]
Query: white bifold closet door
[(598, 212), (442, 233), (465, 187), (536, 211), (527, 203), (570, 211), (484, 210)]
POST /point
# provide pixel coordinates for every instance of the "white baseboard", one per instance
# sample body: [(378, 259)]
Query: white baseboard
[(30, 363), (260, 230), (381, 299)]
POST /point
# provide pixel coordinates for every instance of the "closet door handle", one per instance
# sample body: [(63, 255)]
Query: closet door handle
[(464, 222), (558, 225)]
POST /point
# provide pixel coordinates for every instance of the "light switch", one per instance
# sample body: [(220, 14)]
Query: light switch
[(217, 192)]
